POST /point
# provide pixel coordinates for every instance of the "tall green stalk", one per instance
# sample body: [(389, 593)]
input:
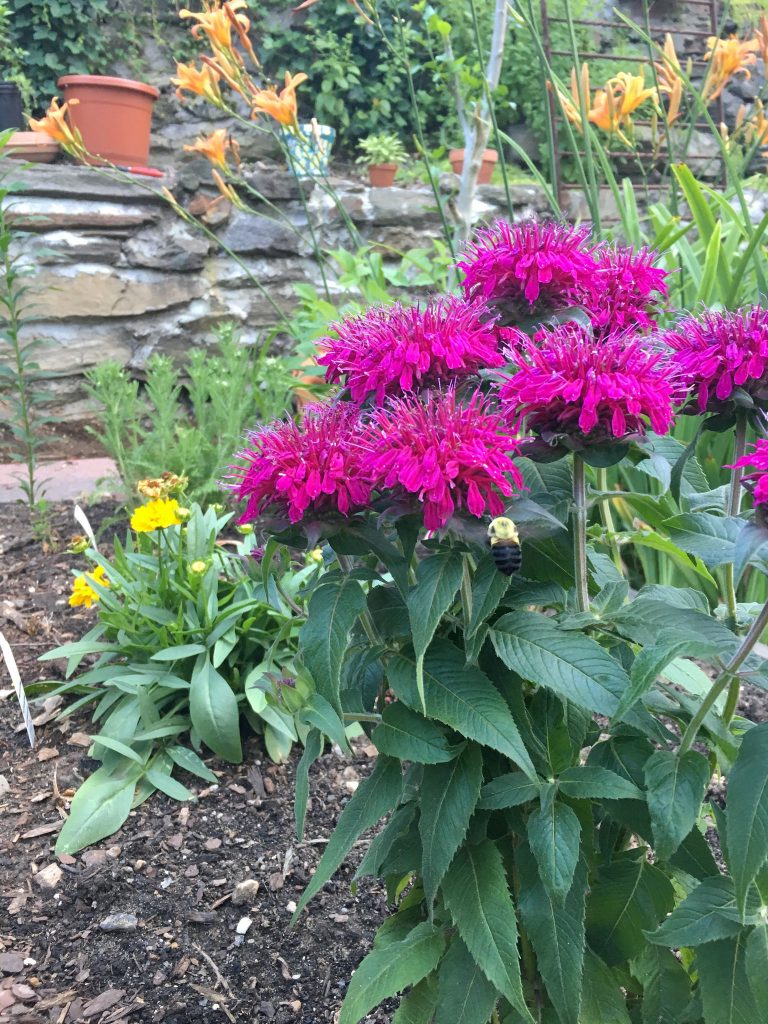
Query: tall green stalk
[(580, 532)]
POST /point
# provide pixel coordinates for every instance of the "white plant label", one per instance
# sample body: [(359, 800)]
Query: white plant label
[(13, 672)]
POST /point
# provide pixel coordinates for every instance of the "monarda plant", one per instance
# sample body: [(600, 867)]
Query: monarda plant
[(547, 737)]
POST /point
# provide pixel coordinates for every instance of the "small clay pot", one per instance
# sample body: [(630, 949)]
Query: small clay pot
[(490, 158), (382, 175)]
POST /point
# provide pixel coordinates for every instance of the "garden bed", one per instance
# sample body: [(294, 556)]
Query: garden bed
[(173, 867)]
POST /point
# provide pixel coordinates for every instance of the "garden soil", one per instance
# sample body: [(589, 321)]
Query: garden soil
[(169, 877), (171, 873)]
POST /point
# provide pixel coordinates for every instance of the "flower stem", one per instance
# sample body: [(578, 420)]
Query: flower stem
[(606, 514), (580, 533), (733, 507), (727, 677)]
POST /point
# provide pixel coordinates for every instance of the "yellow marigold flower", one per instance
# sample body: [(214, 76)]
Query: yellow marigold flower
[(215, 147), (156, 515), (83, 594), (202, 81), (282, 107), (216, 21), (727, 57), (56, 126), (198, 568)]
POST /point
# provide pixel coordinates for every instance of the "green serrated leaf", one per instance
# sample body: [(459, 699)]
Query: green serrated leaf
[(437, 580), (476, 894), (449, 795), (705, 915), (628, 896), (488, 588), (464, 994), (576, 668), (725, 989), (333, 610), (409, 736), (373, 798), (651, 662), (747, 811), (602, 1001), (553, 835), (666, 985), (756, 964), (463, 697), (710, 538), (557, 935), (510, 790), (418, 1007), (675, 788), (319, 713), (593, 782), (387, 971)]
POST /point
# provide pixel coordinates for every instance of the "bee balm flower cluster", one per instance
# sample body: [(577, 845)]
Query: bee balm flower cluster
[(436, 402)]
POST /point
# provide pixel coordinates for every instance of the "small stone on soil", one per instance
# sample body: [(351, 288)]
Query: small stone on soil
[(49, 877), (5, 785), (119, 923), (11, 963), (245, 892), (243, 925)]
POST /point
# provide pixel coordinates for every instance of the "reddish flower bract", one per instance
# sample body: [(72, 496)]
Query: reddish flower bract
[(317, 465), (527, 265), (452, 456), (718, 352), (390, 349), (603, 389)]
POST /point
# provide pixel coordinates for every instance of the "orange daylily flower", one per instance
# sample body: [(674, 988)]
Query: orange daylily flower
[(728, 57), (281, 106), (56, 126), (216, 21), (215, 147), (202, 81), (670, 80), (611, 107)]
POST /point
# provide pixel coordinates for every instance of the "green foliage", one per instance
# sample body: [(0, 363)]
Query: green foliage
[(551, 863), (20, 373), (230, 388), (191, 639), (60, 37), (385, 148), (357, 85)]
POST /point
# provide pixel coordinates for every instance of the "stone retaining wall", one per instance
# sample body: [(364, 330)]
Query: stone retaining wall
[(119, 275)]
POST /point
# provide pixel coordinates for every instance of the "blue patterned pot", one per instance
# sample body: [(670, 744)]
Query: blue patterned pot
[(309, 151)]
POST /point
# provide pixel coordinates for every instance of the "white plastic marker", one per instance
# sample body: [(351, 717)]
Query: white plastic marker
[(82, 520), (13, 672)]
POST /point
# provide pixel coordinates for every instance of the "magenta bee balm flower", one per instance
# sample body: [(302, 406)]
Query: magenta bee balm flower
[(391, 349), (527, 266), (624, 291), (452, 456), (756, 481), (719, 352), (599, 389), (290, 469)]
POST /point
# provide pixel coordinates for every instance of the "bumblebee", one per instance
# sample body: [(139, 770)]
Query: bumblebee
[(504, 542)]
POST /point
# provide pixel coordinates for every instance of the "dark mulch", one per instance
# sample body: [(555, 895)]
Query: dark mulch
[(173, 866)]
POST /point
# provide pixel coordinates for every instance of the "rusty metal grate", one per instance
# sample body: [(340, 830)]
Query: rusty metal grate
[(704, 14)]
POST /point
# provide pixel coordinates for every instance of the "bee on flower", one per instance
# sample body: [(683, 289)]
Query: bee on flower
[(163, 486), (84, 594)]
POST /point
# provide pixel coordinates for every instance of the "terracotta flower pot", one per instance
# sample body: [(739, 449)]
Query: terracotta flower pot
[(382, 175), (114, 116), (490, 157)]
